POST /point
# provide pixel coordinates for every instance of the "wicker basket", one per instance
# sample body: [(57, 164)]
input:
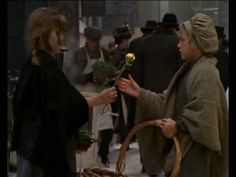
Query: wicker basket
[(120, 165)]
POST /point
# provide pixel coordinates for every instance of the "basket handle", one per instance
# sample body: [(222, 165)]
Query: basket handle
[(120, 165)]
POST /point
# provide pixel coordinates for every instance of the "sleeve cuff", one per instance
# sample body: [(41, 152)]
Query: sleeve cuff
[(181, 127)]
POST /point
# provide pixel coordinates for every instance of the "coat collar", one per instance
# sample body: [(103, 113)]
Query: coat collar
[(170, 92), (187, 65)]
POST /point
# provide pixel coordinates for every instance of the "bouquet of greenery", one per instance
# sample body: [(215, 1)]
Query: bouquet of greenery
[(84, 140), (103, 72), (107, 75)]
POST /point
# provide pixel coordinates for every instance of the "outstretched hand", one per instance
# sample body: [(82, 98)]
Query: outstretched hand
[(129, 86), (105, 97), (108, 95)]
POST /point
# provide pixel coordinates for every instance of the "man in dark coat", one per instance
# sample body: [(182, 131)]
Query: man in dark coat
[(222, 57), (137, 68), (160, 55), (135, 47), (160, 60)]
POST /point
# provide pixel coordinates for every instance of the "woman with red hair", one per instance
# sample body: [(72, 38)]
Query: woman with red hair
[(47, 109)]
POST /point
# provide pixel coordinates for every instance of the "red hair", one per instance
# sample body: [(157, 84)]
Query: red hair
[(41, 22)]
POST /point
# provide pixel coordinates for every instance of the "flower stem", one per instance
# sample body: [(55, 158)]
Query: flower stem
[(119, 74)]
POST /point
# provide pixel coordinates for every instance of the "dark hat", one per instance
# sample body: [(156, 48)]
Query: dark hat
[(220, 31), (122, 33), (170, 20), (92, 32), (149, 26)]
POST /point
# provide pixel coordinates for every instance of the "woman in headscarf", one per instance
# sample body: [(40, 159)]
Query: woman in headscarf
[(47, 109), (193, 107)]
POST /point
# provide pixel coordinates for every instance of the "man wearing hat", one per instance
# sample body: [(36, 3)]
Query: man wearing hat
[(193, 107), (159, 59), (121, 37), (134, 47), (81, 69), (170, 21), (149, 27), (222, 57), (82, 75), (135, 70)]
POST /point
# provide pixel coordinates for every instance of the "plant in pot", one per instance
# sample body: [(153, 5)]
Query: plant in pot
[(84, 140)]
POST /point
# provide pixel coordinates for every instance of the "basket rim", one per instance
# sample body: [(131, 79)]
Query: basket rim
[(120, 165)]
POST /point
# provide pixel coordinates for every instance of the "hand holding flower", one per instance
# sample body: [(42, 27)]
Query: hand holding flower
[(129, 86), (105, 97), (108, 95)]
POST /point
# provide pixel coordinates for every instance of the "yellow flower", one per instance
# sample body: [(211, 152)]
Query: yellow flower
[(129, 58)]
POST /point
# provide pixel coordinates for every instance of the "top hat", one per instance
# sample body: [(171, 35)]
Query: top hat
[(149, 26), (122, 33), (170, 20), (92, 32), (220, 31)]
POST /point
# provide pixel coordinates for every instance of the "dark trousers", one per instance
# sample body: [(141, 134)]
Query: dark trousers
[(131, 104), (106, 137)]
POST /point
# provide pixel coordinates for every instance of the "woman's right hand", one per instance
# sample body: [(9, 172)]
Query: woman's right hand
[(108, 95), (129, 86), (105, 97)]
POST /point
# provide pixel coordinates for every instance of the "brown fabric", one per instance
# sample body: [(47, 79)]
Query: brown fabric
[(202, 32)]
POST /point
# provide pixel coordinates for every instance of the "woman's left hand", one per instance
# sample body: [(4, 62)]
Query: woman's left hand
[(168, 127)]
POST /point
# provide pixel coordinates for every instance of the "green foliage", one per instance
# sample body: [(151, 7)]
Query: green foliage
[(103, 73), (85, 134), (103, 65)]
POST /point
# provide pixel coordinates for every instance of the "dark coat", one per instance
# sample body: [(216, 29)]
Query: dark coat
[(161, 59), (136, 71), (223, 67), (137, 68), (118, 57), (48, 110)]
